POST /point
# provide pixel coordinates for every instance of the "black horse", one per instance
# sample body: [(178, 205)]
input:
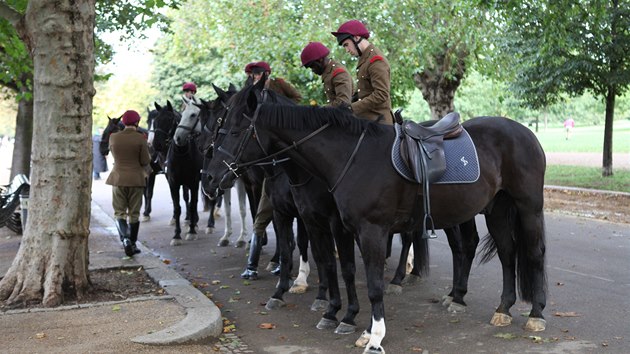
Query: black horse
[(183, 166), (352, 156), (114, 125)]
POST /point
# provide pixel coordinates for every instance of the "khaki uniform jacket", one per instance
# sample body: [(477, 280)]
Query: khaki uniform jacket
[(131, 156), (284, 88), (337, 84), (373, 86)]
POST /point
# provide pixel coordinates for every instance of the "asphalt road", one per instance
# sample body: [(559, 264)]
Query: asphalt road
[(587, 304)]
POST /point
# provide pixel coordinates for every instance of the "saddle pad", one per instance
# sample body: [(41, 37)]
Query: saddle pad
[(462, 164)]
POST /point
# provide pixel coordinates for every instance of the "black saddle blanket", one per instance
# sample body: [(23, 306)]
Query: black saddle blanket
[(462, 164)]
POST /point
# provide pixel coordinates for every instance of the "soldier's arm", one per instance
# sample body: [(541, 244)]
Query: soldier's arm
[(145, 157), (342, 82), (379, 74)]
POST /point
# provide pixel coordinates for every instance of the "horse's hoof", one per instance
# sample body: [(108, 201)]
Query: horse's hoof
[(456, 308), (176, 242), (325, 323), (209, 230), (271, 266), (447, 300), (501, 320), (393, 289), (274, 304), (298, 288), (145, 218), (319, 305), (345, 328), (191, 237), (172, 222), (374, 350), (412, 279), (363, 340), (535, 324), (223, 243), (240, 244)]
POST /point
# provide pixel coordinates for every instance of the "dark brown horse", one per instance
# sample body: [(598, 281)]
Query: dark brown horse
[(352, 157)]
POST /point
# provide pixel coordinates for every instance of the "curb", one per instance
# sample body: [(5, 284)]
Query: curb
[(587, 191), (203, 317)]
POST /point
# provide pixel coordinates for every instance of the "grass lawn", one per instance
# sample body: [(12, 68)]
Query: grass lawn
[(587, 177), (584, 139)]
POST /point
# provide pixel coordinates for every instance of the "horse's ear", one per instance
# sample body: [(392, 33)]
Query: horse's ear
[(157, 106), (232, 88), (148, 110), (222, 95), (108, 117), (169, 106)]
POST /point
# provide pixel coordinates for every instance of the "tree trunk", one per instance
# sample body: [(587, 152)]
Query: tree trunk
[(21, 162), (607, 162), (53, 255), (438, 91)]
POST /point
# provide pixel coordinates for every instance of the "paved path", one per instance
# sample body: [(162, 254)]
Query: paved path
[(620, 161)]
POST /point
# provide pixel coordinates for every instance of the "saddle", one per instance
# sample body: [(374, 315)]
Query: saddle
[(422, 147), (422, 151)]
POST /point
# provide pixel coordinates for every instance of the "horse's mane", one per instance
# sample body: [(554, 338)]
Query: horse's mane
[(279, 111)]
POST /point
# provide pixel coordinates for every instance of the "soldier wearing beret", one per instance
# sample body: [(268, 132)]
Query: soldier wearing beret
[(128, 179), (262, 70), (335, 77), (373, 73)]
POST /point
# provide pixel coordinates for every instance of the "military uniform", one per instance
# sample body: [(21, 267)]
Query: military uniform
[(131, 156), (282, 87), (337, 83), (373, 86)]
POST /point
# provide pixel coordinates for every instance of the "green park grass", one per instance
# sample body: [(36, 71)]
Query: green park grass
[(586, 139)]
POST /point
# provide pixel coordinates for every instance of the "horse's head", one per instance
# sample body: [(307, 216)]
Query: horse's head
[(163, 127), (236, 140), (114, 125), (189, 123)]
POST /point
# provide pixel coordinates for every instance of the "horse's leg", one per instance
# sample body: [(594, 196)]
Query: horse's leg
[(186, 193), (420, 259), (463, 240), (192, 211), (227, 202), (148, 197), (177, 210), (212, 203), (395, 286), (242, 198), (300, 284), (373, 241), (283, 226), (274, 263), (345, 248)]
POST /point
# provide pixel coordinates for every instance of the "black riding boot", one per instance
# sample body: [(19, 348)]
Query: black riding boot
[(251, 272), (134, 227), (123, 229)]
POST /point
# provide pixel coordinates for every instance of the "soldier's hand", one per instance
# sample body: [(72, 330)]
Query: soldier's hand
[(345, 106)]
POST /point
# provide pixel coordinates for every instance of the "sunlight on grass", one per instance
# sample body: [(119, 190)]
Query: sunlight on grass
[(587, 177), (584, 139)]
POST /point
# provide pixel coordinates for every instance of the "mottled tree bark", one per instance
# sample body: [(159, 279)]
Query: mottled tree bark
[(53, 254)]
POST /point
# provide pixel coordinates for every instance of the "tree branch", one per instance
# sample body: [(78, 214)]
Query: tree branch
[(10, 14)]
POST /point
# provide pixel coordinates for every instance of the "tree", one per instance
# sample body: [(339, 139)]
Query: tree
[(573, 47), (53, 255)]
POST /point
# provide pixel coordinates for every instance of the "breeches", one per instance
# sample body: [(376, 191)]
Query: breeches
[(264, 214), (127, 202)]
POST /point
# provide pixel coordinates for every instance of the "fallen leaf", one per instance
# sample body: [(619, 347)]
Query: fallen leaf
[(416, 349), (116, 308), (559, 284), (246, 282), (166, 261), (216, 282), (224, 287), (604, 344), (40, 335), (267, 326), (506, 335), (567, 314), (536, 339)]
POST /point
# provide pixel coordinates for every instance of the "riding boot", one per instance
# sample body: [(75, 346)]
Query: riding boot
[(251, 272), (123, 229), (134, 227)]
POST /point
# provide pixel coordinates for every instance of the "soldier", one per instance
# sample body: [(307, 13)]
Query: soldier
[(189, 89), (262, 70), (335, 76), (128, 179), (373, 73)]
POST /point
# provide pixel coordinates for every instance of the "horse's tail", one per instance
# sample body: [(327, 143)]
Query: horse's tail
[(488, 249), (421, 252), (530, 254)]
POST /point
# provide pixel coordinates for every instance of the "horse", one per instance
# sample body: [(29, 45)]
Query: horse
[(183, 166), (320, 217), (352, 156), (114, 125)]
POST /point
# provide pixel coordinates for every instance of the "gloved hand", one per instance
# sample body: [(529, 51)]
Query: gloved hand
[(345, 105)]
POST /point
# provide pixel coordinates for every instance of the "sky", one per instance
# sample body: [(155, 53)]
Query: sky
[(136, 60)]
